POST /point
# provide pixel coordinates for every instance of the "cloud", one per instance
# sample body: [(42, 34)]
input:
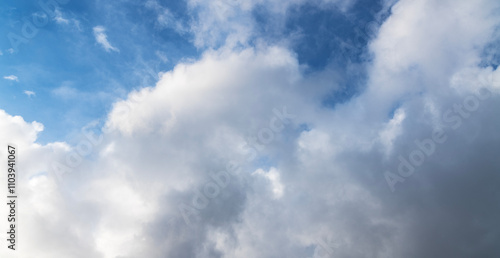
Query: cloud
[(66, 91), (162, 56), (166, 18), (330, 181), (11, 78), (232, 22), (310, 183), (43, 204), (102, 39), (274, 177), (29, 93), (59, 17)]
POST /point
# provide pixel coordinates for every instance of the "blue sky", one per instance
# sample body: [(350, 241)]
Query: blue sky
[(75, 80)]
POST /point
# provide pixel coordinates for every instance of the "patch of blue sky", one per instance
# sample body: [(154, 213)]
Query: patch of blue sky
[(328, 37), (39, 174), (490, 56), (264, 162), (75, 80)]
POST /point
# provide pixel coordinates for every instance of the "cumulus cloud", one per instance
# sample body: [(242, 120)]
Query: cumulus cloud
[(233, 155), (102, 39), (42, 206)]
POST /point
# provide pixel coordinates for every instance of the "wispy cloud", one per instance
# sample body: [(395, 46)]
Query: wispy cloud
[(166, 18), (102, 39), (11, 77), (162, 56), (66, 91), (29, 93), (59, 17)]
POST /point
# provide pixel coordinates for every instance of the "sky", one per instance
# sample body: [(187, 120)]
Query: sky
[(250, 128)]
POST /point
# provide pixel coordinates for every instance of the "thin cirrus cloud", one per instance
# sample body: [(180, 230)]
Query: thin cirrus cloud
[(60, 19), (102, 39), (11, 78)]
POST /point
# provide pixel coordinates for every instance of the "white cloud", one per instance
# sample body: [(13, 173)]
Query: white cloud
[(66, 91), (273, 176), (162, 56), (392, 130), (230, 22), (163, 145), (59, 17), (29, 93), (102, 39), (42, 205), (331, 177), (166, 19), (11, 78)]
